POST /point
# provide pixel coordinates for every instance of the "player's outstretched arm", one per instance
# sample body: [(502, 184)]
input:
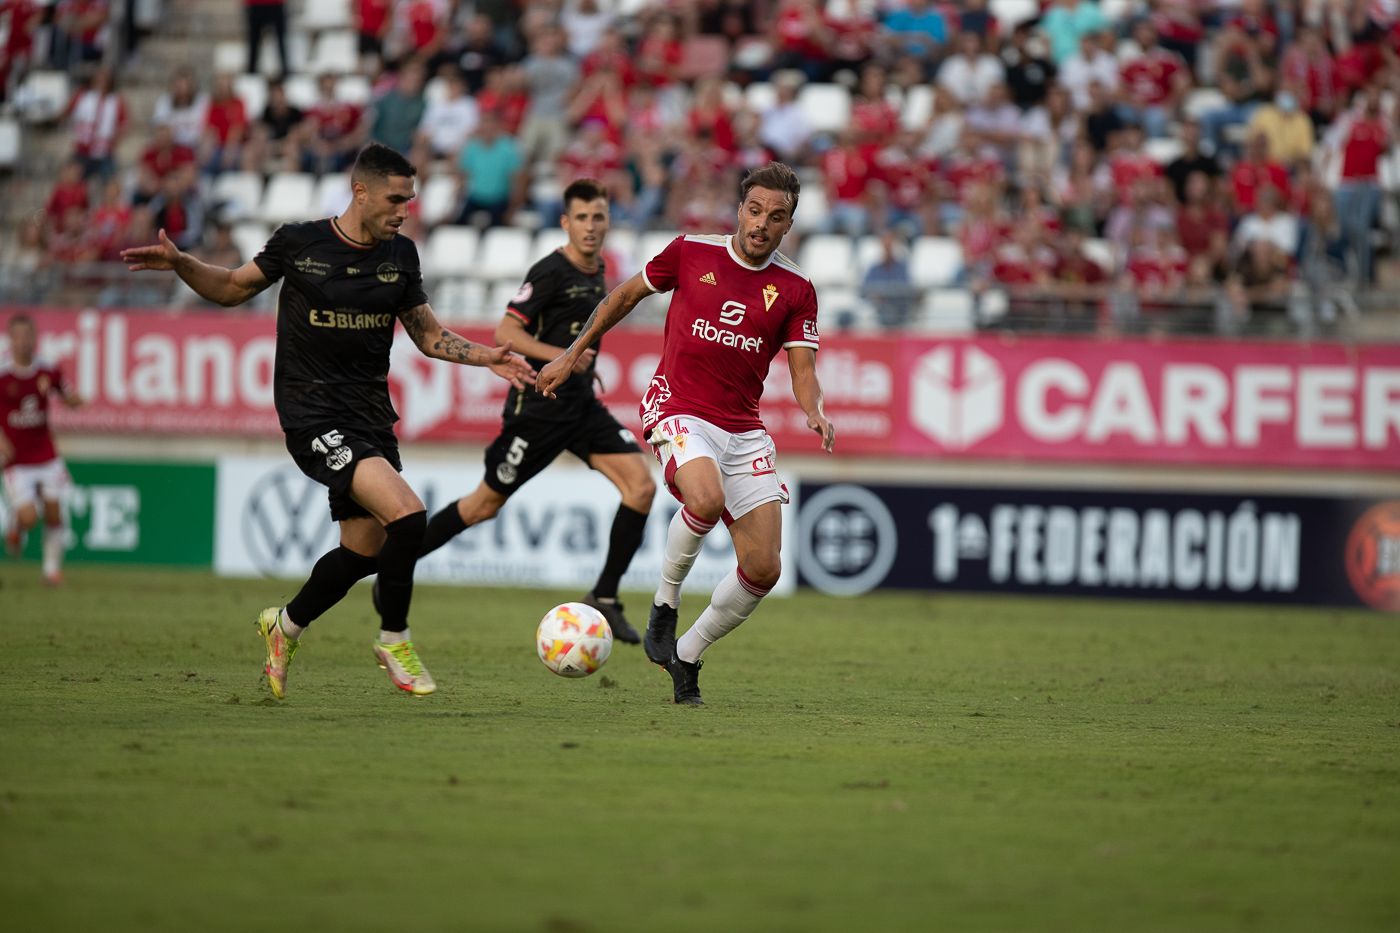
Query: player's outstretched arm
[(227, 287), (513, 332), (614, 307), (440, 343), (802, 364)]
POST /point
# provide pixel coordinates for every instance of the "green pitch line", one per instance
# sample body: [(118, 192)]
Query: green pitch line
[(886, 763)]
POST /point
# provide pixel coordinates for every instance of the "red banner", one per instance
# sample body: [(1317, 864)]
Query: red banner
[(1187, 402)]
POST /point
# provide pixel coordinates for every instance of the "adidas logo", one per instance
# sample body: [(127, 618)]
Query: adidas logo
[(709, 278)]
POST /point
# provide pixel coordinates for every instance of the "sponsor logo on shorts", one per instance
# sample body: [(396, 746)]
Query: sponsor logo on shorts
[(338, 458), (506, 473)]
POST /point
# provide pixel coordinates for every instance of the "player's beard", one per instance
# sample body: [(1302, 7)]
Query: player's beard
[(746, 246)]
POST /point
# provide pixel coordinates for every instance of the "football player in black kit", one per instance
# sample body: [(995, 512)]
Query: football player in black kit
[(559, 293), (347, 280)]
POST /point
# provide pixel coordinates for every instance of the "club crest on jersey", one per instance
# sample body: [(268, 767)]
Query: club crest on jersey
[(709, 278), (523, 295), (387, 272), (770, 295)]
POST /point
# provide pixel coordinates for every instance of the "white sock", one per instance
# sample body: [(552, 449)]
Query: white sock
[(54, 544), (734, 600), (290, 628), (393, 638), (683, 540)]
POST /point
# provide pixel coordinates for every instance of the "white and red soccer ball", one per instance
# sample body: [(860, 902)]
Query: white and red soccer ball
[(573, 640)]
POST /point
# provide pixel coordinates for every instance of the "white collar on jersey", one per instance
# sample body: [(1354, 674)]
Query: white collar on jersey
[(734, 255)]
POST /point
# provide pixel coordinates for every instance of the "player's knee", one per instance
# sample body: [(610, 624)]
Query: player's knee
[(705, 504), (763, 571), (408, 530), (640, 494)]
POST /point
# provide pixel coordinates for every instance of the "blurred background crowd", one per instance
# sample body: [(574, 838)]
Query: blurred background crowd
[(1220, 166)]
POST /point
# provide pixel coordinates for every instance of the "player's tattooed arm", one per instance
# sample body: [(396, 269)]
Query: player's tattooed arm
[(227, 287), (615, 306), (807, 390), (438, 342)]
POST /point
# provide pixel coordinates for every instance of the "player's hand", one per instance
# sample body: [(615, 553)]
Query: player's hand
[(511, 367), (584, 361), (554, 374), (159, 257), (825, 428)]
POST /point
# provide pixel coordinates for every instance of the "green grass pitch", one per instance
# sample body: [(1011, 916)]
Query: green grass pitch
[(894, 762)]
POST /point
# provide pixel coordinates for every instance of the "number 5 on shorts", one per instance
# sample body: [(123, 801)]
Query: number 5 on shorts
[(516, 455)]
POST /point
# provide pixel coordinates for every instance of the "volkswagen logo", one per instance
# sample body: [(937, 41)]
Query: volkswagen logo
[(285, 522)]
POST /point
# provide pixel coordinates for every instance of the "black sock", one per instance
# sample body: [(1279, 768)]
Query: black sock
[(330, 580), (396, 562), (442, 528), (627, 529)]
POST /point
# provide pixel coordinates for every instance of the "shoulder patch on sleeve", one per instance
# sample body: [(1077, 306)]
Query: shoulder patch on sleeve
[(527, 289)]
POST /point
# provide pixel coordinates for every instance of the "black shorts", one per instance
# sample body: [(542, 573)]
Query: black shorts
[(329, 454), (527, 445)]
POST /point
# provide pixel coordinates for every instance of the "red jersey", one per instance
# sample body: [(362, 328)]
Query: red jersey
[(1150, 78), (726, 323), (1367, 141), (24, 410), (1248, 177)]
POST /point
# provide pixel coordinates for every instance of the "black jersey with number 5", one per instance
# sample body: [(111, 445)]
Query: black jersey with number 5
[(335, 322), (553, 303)]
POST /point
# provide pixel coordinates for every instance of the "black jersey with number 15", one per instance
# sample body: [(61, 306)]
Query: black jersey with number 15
[(553, 303), (335, 322)]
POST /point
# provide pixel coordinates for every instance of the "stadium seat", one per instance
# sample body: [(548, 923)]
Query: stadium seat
[(317, 15), (451, 251), (946, 311), (733, 95), (1203, 100), (546, 193), (827, 259), (649, 244), (250, 238), (354, 88), (546, 241), (332, 194), (438, 199), (918, 107), (459, 299), (760, 96), (752, 53), (337, 52), (435, 91), (252, 90), (844, 309), (621, 247), (812, 209), (1101, 252), (704, 56), (231, 56), (9, 143), (870, 251), (826, 106), (1388, 171), (1117, 11), (241, 192), (505, 254), (935, 261), (43, 96), (497, 298), (1011, 13), (289, 196), (1163, 151), (301, 90)]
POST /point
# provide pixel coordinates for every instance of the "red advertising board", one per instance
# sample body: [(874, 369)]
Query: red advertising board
[(1087, 400)]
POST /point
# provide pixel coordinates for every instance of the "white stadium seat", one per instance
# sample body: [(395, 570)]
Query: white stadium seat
[(459, 299), (332, 194), (505, 254), (1011, 13), (826, 106), (649, 244), (438, 199), (935, 261), (288, 197), (946, 310), (869, 251), (231, 55), (1163, 151), (1101, 252), (622, 243), (435, 91), (355, 89), (451, 251), (1202, 101), (918, 107), (250, 238), (827, 260), (252, 90), (760, 96), (43, 96), (10, 140), (812, 209), (497, 298), (301, 90), (317, 15), (241, 192), (547, 241), (337, 52)]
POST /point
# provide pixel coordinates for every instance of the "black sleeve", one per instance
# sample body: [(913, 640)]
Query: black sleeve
[(413, 294), (273, 258), (535, 293)]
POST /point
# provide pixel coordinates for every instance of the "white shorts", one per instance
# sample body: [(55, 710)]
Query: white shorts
[(747, 462), (27, 483)]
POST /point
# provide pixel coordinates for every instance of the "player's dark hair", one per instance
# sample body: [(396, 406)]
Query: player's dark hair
[(584, 189), (379, 161), (774, 176)]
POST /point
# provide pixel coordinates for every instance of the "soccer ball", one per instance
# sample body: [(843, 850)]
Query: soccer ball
[(573, 640)]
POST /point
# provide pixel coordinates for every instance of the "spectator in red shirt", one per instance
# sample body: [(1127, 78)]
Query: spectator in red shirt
[(1128, 164), (1154, 81), (337, 130), (1203, 229), (78, 30), (1245, 78), (875, 119), (848, 173), (611, 54), (1308, 62), (264, 16), (904, 186), (70, 191), (225, 127), (110, 220), (802, 38), (372, 20), (710, 115), (162, 158), (504, 94), (1254, 171), (659, 53), (22, 19), (1361, 139)]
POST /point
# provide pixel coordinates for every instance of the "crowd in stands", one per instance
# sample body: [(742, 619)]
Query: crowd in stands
[(1130, 158)]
